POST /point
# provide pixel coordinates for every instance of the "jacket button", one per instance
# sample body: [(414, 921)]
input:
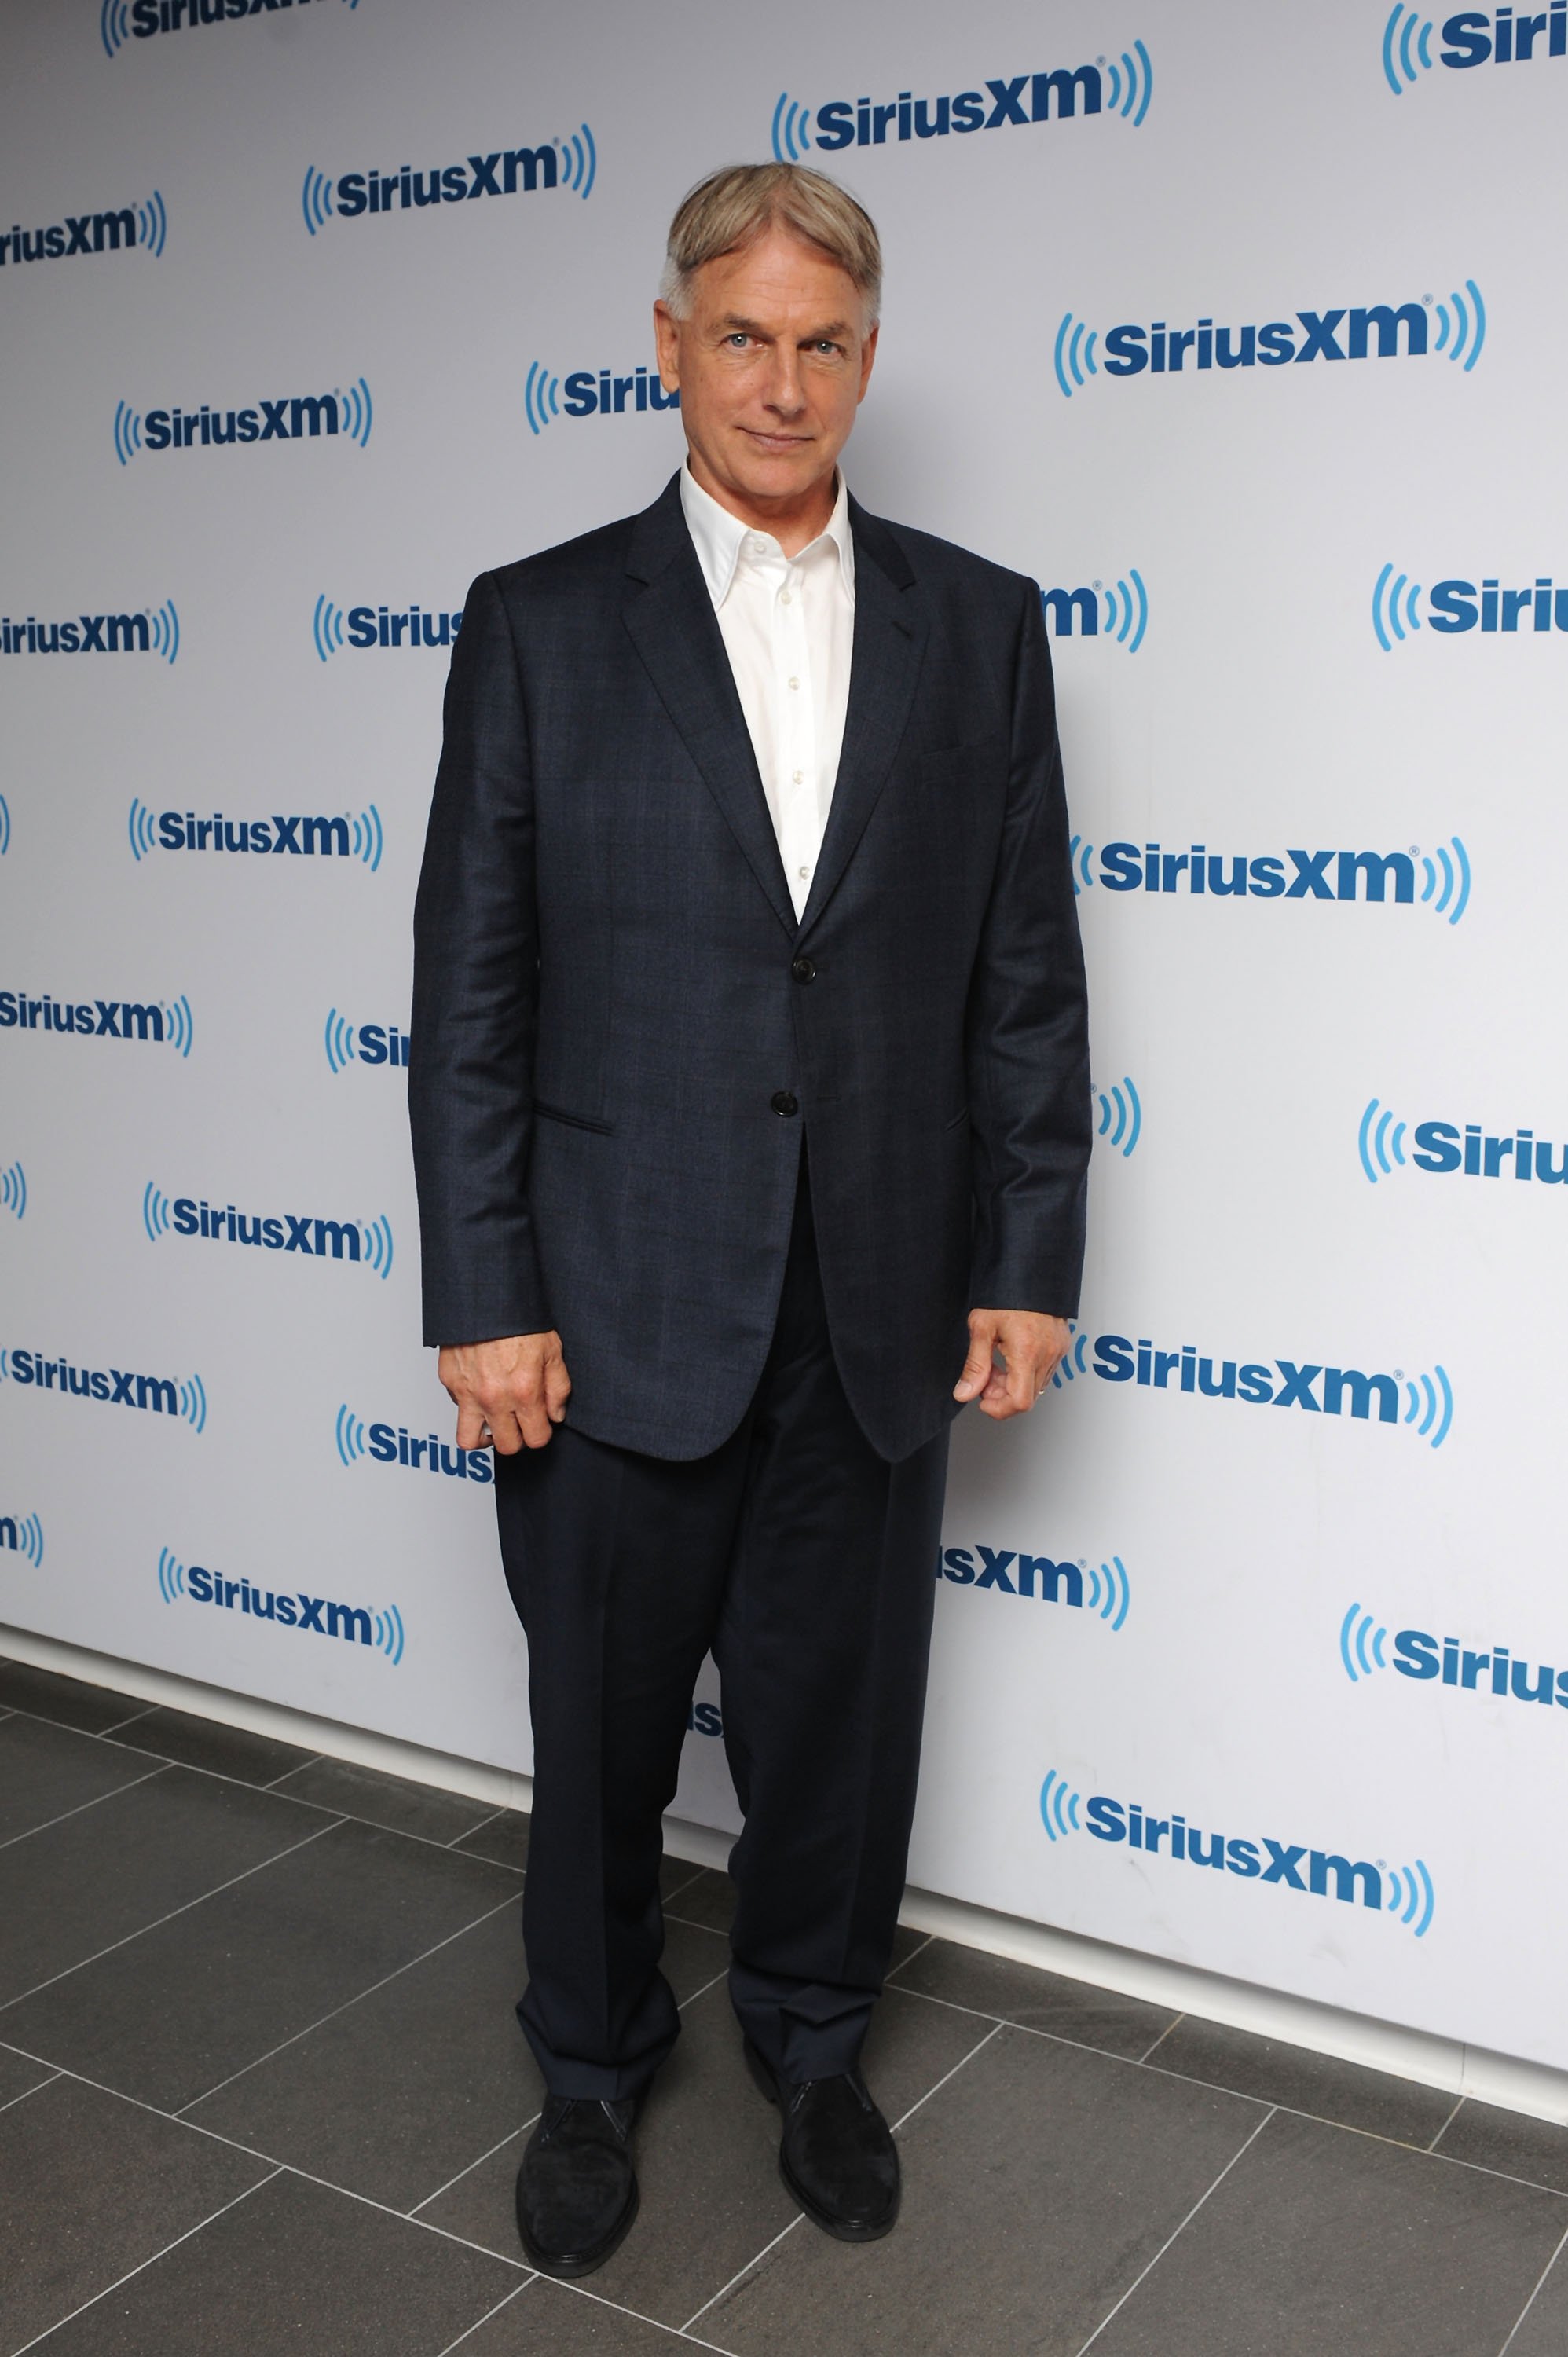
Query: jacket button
[(784, 1103), (804, 970)]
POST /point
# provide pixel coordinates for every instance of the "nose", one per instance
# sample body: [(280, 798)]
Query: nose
[(784, 392)]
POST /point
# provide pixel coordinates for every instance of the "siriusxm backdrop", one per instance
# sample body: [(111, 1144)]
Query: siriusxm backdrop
[(1229, 324)]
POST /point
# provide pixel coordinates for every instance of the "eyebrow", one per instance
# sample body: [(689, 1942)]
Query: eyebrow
[(732, 321)]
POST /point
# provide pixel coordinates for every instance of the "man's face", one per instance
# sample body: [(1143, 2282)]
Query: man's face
[(771, 362)]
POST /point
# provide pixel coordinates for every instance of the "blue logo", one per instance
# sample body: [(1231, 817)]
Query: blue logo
[(24, 1534), (359, 1624), (1120, 88), (1126, 611), (169, 1020), (1102, 1589), (5, 826), (1363, 1650), (296, 417), (120, 21), (366, 1242), (164, 1395), (1361, 877), (391, 1444), (14, 1190), (704, 1718), (570, 163), (1120, 1116), (1403, 1891), (155, 630), (1455, 607), (145, 224), (1427, 1400), (356, 835), (1162, 351), (366, 1043), (591, 393), (1445, 1148), (1473, 39), (379, 626)]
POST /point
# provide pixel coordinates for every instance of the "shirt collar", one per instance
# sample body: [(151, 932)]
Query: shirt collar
[(718, 536)]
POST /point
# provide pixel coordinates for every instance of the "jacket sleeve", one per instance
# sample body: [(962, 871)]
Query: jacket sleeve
[(1027, 1025), (475, 1000)]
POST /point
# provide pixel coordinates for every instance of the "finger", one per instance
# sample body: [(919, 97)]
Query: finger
[(504, 1432), (978, 1368), (557, 1390), (534, 1423), (473, 1432)]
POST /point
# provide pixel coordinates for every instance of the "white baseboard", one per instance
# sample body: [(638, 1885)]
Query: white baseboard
[(1534, 2088)]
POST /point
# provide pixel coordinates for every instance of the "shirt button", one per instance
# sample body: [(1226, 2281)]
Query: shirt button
[(784, 1104), (804, 970), (794, 682), (783, 596), (803, 873), (796, 777)]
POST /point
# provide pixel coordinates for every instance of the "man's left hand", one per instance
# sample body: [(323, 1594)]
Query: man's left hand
[(1031, 1348)]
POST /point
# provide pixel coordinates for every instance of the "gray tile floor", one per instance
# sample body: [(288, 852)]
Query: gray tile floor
[(260, 2090)]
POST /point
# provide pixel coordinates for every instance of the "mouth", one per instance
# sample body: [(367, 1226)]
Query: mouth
[(776, 445)]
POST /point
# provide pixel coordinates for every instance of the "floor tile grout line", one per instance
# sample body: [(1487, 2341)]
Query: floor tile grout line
[(404, 2217), (1437, 2139), (601, 2300), (151, 2262), (695, 1876), (468, 2331), (892, 1981), (1534, 2295), (174, 1911), (296, 1767), (130, 1720), (331, 2015), (1175, 2022), (96, 1803), (38, 2087), (755, 2261), (469, 1831), (1145, 2271)]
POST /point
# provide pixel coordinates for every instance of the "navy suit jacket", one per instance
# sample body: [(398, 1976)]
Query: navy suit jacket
[(623, 1038)]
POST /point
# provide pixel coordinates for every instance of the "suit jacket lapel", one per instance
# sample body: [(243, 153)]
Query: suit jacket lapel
[(675, 630), (889, 640)]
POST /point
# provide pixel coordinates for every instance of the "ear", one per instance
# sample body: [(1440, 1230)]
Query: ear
[(667, 343), (868, 354)]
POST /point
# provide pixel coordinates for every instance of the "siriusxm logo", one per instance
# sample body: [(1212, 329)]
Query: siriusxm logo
[(164, 1395), (353, 835), (102, 1019), (365, 1043), (704, 1718), (591, 393), (1363, 1642), (368, 1241), (1277, 1382), (1120, 88), (155, 630), (1455, 607), (14, 1190), (1405, 1891), (145, 225), (1126, 611), (1475, 37), (357, 1624), (570, 163), (391, 1444), (1104, 1590), (5, 826), (1120, 1114), (379, 626), (24, 1534), (1442, 1147), (298, 417), (1363, 878), (1163, 351), (120, 21)]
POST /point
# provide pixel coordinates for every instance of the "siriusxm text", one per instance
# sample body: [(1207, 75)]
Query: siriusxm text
[(1455, 605), (1324, 1874), (294, 418), (1285, 876), (1277, 343), (159, 1393), (1019, 98), (1475, 38), (150, 17), (295, 1609), (1278, 1383), (1421, 1656), (503, 173), (390, 1444), (600, 393), (303, 837), (318, 1239), (100, 1018), (111, 232), (383, 626), (1013, 1574), (88, 634), (1443, 1148)]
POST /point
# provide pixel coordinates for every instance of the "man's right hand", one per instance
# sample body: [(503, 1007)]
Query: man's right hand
[(512, 1391)]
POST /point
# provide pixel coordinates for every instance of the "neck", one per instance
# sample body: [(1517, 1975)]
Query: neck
[(794, 519)]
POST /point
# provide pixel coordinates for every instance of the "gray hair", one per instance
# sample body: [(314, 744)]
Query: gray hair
[(733, 208)]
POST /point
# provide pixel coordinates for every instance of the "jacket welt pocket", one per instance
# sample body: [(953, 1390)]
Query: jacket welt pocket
[(573, 1120)]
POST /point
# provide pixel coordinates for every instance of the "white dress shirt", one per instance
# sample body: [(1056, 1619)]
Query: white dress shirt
[(787, 624)]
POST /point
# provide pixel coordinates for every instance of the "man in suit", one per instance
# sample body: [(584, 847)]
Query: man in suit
[(751, 1117)]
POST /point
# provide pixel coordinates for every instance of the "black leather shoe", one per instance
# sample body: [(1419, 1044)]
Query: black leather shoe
[(836, 2156), (576, 2191)]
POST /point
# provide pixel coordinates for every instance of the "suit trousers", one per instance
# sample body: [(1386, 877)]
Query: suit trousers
[(804, 1562)]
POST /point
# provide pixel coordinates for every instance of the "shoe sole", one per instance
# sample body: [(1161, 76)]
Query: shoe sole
[(569, 2264), (767, 2086)]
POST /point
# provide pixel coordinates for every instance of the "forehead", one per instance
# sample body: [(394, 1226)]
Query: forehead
[(779, 274)]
